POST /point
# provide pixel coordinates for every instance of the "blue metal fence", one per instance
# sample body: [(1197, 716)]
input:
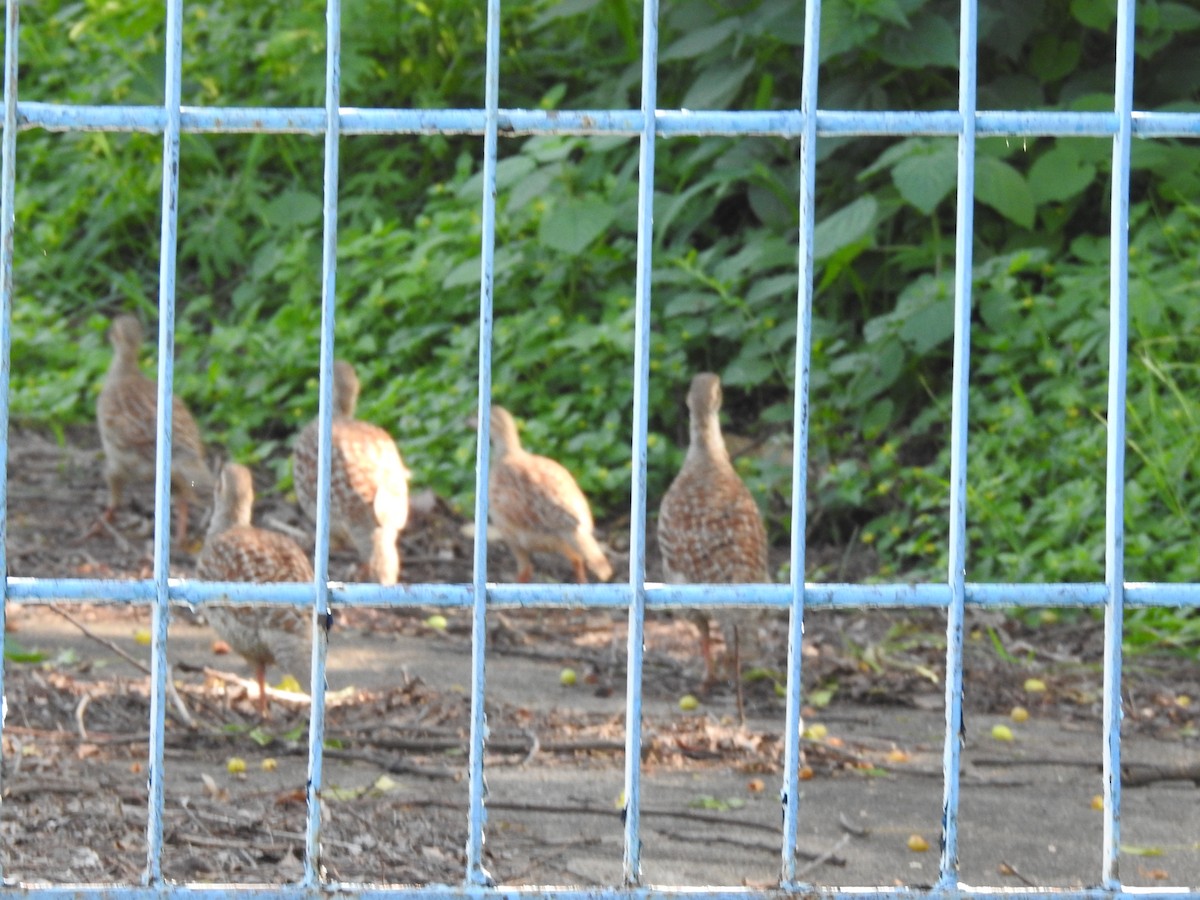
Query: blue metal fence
[(649, 124)]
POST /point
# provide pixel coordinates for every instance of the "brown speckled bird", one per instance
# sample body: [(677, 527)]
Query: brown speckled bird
[(126, 413), (235, 550), (368, 500), (536, 505), (710, 530)]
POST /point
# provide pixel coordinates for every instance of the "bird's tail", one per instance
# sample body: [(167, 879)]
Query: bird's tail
[(594, 557)]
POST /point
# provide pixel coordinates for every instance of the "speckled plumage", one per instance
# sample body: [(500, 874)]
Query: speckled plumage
[(368, 481), (710, 530), (536, 505), (235, 550), (126, 414)]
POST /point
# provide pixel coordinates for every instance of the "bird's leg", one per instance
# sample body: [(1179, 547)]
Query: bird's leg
[(524, 566), (737, 677), (181, 525), (700, 619), (110, 511), (580, 570), (260, 673)]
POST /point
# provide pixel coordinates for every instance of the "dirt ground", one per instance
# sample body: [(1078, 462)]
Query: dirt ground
[(75, 744)]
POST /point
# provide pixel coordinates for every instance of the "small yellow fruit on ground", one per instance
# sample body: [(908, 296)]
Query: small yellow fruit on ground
[(1035, 686), (270, 764), (567, 677), (235, 765), (289, 683), (1019, 714), (816, 731), (1002, 733), (1098, 802), (917, 844), (437, 622), (688, 702), (141, 637)]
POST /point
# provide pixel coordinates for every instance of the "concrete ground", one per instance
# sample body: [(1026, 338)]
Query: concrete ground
[(1026, 815)]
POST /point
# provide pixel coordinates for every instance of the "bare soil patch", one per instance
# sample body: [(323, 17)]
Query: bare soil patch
[(75, 747)]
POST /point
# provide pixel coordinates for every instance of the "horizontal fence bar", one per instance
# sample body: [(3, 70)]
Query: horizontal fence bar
[(668, 123), (616, 596), (470, 892)]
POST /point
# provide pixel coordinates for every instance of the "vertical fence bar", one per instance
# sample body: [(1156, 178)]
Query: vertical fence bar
[(8, 177), (790, 791), (632, 864), (964, 235), (1114, 510), (320, 612), (476, 873), (159, 669)]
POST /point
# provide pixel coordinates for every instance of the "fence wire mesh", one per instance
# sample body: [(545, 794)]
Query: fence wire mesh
[(808, 124)]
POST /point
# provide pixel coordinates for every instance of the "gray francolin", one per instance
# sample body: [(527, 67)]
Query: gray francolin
[(235, 550), (126, 413), (368, 493), (535, 505), (710, 530)]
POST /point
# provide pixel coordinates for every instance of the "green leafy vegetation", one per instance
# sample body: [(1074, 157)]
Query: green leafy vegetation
[(725, 249)]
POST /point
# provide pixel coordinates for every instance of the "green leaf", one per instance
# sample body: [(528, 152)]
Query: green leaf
[(1059, 174), (1176, 17), (465, 274), (843, 29), (690, 304), (14, 652), (564, 10), (1053, 58), (926, 315), (1142, 851), (1097, 14), (717, 86), (925, 179), (573, 224), (293, 208), (748, 371), (1004, 189), (695, 43), (931, 41), (848, 225)]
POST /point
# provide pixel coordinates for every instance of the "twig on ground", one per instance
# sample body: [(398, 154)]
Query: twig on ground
[(291, 698), (1007, 868), (1140, 775), (80, 710), (850, 828), (107, 526), (177, 701), (387, 763), (88, 633), (829, 856), (534, 747)]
